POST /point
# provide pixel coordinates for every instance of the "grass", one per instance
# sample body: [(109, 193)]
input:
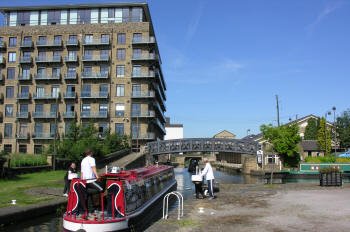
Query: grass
[(16, 188)]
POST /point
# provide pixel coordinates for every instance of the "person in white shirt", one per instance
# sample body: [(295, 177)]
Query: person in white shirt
[(209, 176), (89, 173)]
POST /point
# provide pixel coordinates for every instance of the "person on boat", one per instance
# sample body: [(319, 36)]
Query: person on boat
[(70, 174), (209, 176), (89, 172)]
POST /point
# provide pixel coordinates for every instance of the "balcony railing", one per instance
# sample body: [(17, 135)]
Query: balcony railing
[(46, 96), (98, 114), (144, 40), (96, 58), (71, 59), (147, 136), (96, 75), (150, 56), (72, 42), (96, 42), (69, 95), (27, 44), (26, 60), (94, 95), (71, 76), (41, 135), (147, 94), (144, 114), (23, 96), (52, 59), (22, 115), (49, 43), (41, 114), (159, 124), (47, 77), (25, 77), (149, 74), (23, 136), (69, 114)]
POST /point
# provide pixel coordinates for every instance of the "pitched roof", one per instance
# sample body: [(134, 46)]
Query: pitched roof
[(310, 145), (226, 133)]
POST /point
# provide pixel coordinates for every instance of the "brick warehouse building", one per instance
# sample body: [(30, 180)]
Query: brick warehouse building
[(79, 64)]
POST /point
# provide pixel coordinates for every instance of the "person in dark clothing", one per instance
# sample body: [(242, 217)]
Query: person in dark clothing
[(199, 189), (70, 174)]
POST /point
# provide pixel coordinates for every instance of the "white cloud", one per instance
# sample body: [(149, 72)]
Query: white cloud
[(193, 25)]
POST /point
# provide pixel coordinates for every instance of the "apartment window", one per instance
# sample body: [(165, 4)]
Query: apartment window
[(53, 17), (40, 91), (119, 128), (104, 38), (119, 109), (8, 130), (72, 55), (136, 70), (70, 88), (104, 69), (121, 54), (120, 70), (69, 107), (38, 149), (85, 109), (104, 89), (104, 54), (38, 128), (8, 148), (23, 18), (102, 128), (23, 129), (103, 107), (9, 110), (56, 72), (89, 39), (72, 39), (87, 69), (55, 91), (10, 91), (86, 90), (42, 40), (135, 130), (23, 108), (26, 55), (136, 14), (67, 127), (125, 14), (88, 54), (136, 109), (136, 53), (27, 41), (24, 90), (39, 108), (12, 57), (53, 129), (22, 148), (136, 90), (56, 55), (26, 72), (53, 108), (11, 72), (84, 16), (120, 91), (137, 37), (57, 39), (1, 41), (121, 38), (12, 41), (41, 71), (71, 71)]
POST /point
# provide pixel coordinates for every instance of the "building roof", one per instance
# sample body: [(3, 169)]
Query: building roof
[(310, 145), (224, 134)]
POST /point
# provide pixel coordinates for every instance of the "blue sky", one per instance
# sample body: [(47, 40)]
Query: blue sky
[(224, 61)]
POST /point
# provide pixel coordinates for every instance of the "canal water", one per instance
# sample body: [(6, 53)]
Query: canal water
[(184, 185)]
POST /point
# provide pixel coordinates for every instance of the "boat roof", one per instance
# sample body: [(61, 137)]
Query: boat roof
[(143, 172)]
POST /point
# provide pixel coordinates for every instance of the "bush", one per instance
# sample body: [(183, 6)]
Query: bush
[(329, 170), (27, 160), (321, 159), (342, 160)]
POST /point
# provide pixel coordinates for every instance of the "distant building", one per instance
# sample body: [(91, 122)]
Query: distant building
[(224, 135), (173, 131), (310, 148)]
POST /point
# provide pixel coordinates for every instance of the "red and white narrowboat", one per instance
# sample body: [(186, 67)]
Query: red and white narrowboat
[(126, 196)]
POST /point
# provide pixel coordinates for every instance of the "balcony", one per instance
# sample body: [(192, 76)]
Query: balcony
[(69, 114), (159, 124), (23, 136), (26, 60), (157, 106), (70, 95), (27, 44), (23, 96), (41, 114), (49, 43), (96, 58), (47, 77), (92, 95), (71, 59), (46, 96), (144, 40), (97, 114), (160, 93), (43, 136), (147, 94), (97, 75), (2, 45), (22, 115), (144, 114), (97, 42), (71, 76), (52, 59), (147, 136), (140, 75), (72, 43), (144, 57), (25, 77)]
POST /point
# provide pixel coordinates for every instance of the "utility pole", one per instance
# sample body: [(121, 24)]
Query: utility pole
[(278, 111)]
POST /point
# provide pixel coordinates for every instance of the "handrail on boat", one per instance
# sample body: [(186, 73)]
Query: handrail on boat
[(166, 204)]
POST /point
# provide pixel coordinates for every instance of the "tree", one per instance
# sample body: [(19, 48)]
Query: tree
[(311, 129), (343, 129), (324, 138), (284, 140)]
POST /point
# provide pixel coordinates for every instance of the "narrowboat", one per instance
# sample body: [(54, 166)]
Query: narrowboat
[(127, 195)]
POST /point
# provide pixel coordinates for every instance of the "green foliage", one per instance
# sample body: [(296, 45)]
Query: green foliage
[(321, 159), (27, 160), (343, 129), (324, 138), (311, 129), (79, 138), (284, 140), (329, 170)]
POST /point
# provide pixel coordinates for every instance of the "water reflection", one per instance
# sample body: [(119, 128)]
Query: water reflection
[(184, 185)]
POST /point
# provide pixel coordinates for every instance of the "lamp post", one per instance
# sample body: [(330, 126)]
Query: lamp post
[(325, 129), (335, 131)]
